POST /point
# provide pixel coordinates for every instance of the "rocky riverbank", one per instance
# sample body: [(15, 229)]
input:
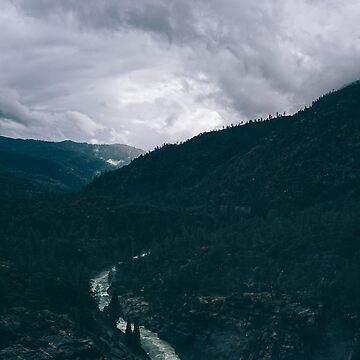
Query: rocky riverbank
[(43, 335), (253, 326), (142, 340)]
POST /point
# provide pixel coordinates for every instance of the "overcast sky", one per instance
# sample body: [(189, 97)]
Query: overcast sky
[(154, 71)]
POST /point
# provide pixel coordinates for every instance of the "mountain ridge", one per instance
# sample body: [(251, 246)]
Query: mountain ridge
[(30, 167), (245, 165), (252, 236)]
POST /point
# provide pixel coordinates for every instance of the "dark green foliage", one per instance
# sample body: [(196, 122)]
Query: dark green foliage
[(32, 167), (132, 336), (50, 248), (136, 334), (114, 309), (128, 334), (286, 163), (269, 207)]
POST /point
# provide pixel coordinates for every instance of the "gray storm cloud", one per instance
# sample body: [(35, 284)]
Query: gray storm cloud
[(153, 71)]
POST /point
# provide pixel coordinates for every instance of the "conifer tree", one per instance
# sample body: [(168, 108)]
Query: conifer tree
[(136, 335), (128, 333), (114, 309)]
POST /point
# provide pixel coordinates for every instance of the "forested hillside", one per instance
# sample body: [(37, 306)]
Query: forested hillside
[(30, 167), (277, 250), (286, 163), (251, 236)]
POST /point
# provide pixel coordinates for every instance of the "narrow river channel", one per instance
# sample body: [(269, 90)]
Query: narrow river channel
[(156, 348)]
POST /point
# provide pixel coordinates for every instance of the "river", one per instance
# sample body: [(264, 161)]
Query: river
[(156, 348)]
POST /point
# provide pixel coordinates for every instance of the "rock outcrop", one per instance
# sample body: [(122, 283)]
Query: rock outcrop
[(44, 335)]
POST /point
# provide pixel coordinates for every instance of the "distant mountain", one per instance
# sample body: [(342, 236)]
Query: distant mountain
[(287, 162), (29, 167)]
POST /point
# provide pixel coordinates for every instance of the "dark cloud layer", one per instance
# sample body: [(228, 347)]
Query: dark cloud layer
[(152, 71)]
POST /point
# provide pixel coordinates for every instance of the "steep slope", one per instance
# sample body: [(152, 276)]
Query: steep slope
[(218, 281), (33, 166), (286, 162), (273, 270)]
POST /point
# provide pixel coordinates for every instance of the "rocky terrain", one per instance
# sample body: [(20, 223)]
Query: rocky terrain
[(44, 335), (254, 326)]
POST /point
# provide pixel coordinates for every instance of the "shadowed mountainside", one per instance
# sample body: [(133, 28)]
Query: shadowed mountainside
[(250, 236), (288, 162)]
